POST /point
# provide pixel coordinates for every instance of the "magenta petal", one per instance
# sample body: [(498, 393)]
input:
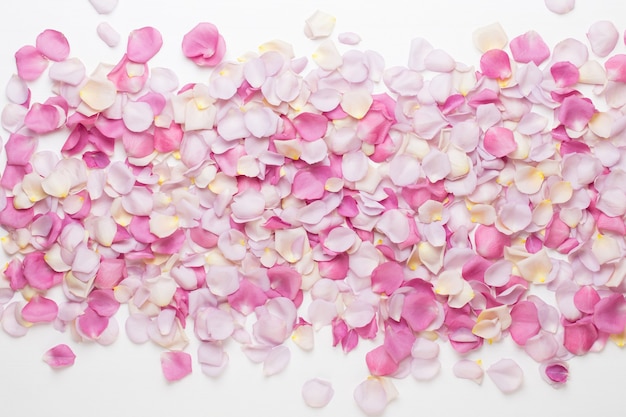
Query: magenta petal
[(499, 141), (529, 47), (42, 118), (30, 63), (616, 68), (91, 324), (495, 63), (175, 365), (565, 74), (59, 356), (143, 44), (379, 362), (310, 126), (556, 373), (204, 45), (419, 310), (609, 314), (575, 112), (103, 302), (525, 322), (40, 310), (284, 280), (53, 45), (579, 336), (387, 277), (19, 149), (586, 299), (490, 242)]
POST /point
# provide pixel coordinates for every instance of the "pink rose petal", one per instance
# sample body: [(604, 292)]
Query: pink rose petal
[(204, 45), (53, 45), (143, 44), (59, 356), (30, 63), (175, 365)]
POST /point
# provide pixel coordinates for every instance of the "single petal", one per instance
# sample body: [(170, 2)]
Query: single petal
[(529, 47), (204, 45), (507, 375), (495, 63), (499, 141), (59, 356), (143, 44), (603, 37), (108, 34), (40, 309), (104, 6), (30, 63), (42, 118), (175, 365), (53, 45), (277, 360), (469, 369), (373, 395), (490, 37), (319, 25), (560, 6), (317, 392)]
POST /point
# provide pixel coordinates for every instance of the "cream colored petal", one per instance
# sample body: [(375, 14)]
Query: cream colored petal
[(463, 297), (291, 244), (163, 225), (57, 184), (327, 56), (31, 184), (54, 260), (248, 166), (104, 229), (483, 214), (528, 179), (561, 192), (334, 184), (591, 72), (291, 148), (605, 249), (277, 46), (118, 213), (536, 268), (357, 102), (319, 25), (449, 283), (431, 257), (490, 37), (430, 211), (98, 94), (523, 143), (601, 124), (542, 213), (460, 163), (162, 290)]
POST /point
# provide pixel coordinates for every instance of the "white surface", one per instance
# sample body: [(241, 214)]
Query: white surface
[(125, 379)]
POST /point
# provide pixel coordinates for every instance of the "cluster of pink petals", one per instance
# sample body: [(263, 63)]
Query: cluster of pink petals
[(269, 203)]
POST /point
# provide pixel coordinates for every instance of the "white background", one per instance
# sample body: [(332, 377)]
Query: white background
[(125, 379)]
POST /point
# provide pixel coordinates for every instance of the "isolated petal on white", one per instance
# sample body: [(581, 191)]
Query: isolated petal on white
[(603, 37), (560, 6), (319, 25), (373, 395), (17, 90), (507, 375), (468, 369), (490, 37), (108, 35), (317, 392), (104, 6)]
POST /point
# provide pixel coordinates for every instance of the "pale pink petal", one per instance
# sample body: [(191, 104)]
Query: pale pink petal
[(71, 71), (542, 347), (616, 68), (277, 360), (317, 392), (222, 280), (30, 63), (17, 90), (603, 37), (395, 225), (358, 314), (349, 38), (529, 47), (571, 50), (373, 395), (469, 369), (327, 57), (53, 45), (212, 358), (425, 369), (495, 63), (419, 310), (204, 45), (575, 112), (402, 81), (586, 298), (499, 273), (137, 328), (175, 365), (420, 48), (108, 35), (436, 165), (40, 310), (507, 375), (560, 6), (340, 239), (439, 61), (138, 116), (104, 6), (59, 356)]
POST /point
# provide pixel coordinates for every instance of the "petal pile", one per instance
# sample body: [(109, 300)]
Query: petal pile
[(270, 202)]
